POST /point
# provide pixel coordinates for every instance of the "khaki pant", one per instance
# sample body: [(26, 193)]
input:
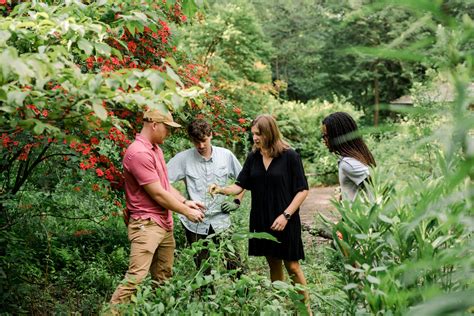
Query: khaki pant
[(151, 249)]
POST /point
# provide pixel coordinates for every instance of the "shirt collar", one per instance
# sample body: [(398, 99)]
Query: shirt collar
[(146, 142), (202, 159)]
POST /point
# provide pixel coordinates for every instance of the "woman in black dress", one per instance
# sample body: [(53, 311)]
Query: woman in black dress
[(274, 174)]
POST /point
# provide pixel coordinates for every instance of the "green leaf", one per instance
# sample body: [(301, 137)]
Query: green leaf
[(156, 81), (456, 303), (131, 27), (132, 80), (353, 269), (3, 95), (172, 62), (373, 279), (4, 36), (39, 128), (177, 101), (160, 106), (117, 53), (280, 285), (99, 109), (86, 46), (22, 69), (7, 109), (189, 7), (381, 268), (385, 219), (247, 235), (170, 72), (361, 236), (441, 240), (161, 308), (140, 16), (25, 25), (112, 83), (102, 49), (350, 286), (95, 82), (140, 27), (230, 247), (170, 3), (16, 97)]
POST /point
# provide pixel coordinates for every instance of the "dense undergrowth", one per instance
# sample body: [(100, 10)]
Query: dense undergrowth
[(407, 244)]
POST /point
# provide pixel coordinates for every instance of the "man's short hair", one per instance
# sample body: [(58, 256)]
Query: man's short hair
[(198, 130)]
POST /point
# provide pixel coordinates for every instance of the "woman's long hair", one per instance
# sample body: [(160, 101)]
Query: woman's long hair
[(271, 136), (344, 139)]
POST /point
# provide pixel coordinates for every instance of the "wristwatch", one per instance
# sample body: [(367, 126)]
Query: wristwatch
[(287, 215)]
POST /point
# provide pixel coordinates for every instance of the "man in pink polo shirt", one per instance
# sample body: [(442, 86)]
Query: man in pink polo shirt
[(150, 200)]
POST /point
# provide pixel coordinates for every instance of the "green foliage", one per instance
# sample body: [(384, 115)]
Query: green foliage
[(300, 124), (408, 244), (229, 41), (65, 246), (402, 247), (321, 47)]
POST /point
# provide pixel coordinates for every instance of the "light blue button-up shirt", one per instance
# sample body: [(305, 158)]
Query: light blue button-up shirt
[(198, 173)]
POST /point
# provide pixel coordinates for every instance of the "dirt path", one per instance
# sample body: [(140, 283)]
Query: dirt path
[(318, 202)]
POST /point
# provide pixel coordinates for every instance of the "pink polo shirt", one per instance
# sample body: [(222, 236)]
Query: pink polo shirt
[(144, 163)]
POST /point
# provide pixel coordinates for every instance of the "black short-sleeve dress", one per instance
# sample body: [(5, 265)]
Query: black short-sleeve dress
[(272, 191)]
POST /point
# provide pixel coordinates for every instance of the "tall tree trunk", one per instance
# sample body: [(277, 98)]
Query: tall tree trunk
[(376, 100)]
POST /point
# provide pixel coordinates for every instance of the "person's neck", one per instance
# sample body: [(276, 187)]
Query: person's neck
[(147, 135), (208, 154), (265, 153)]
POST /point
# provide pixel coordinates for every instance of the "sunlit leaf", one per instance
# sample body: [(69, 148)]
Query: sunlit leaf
[(99, 109), (177, 101), (174, 76), (385, 219), (39, 128), (4, 36), (189, 7), (102, 49), (156, 81), (86, 46), (350, 286), (16, 97), (373, 279), (7, 109)]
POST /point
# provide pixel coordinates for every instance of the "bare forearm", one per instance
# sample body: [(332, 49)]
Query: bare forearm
[(240, 196), (190, 209), (169, 201), (297, 201), (166, 199), (232, 189), (177, 195)]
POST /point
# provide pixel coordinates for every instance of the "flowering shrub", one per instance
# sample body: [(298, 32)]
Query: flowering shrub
[(78, 90)]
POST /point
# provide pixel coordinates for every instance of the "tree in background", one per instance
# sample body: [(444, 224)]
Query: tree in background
[(310, 38), (227, 39)]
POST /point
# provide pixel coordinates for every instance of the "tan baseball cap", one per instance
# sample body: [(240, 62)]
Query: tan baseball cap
[(159, 117)]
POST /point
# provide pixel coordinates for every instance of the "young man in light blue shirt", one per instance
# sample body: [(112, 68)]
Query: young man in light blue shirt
[(200, 167)]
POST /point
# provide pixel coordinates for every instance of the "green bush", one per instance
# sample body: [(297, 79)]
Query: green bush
[(300, 124)]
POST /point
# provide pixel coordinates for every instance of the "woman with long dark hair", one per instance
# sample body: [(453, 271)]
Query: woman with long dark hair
[(274, 174), (341, 136)]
